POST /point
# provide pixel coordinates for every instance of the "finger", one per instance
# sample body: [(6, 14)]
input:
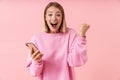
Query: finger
[(35, 53), (84, 24), (34, 47), (31, 51), (37, 57), (84, 27), (87, 26)]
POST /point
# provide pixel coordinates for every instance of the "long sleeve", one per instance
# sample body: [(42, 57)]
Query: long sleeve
[(33, 67), (61, 53), (77, 55)]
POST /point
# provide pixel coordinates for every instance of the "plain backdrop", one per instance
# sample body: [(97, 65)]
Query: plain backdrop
[(20, 19)]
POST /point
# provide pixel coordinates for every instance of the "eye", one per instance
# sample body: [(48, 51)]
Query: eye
[(58, 15), (49, 14)]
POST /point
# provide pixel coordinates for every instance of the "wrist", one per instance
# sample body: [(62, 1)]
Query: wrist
[(37, 62), (82, 35)]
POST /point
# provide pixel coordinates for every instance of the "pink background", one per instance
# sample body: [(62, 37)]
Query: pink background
[(20, 19)]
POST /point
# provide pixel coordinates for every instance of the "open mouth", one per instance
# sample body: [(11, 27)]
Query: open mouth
[(53, 24)]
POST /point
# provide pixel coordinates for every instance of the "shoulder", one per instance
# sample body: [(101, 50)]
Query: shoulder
[(36, 36)]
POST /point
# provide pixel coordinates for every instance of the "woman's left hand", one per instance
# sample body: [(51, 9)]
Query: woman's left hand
[(83, 29)]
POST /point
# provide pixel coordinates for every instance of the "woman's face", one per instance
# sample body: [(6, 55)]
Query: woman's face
[(53, 19)]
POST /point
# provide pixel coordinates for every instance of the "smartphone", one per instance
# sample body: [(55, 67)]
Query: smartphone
[(31, 45)]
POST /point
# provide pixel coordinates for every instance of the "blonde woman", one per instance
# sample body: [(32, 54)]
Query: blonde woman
[(56, 51)]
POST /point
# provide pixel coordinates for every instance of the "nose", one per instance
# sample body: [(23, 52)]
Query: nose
[(53, 18)]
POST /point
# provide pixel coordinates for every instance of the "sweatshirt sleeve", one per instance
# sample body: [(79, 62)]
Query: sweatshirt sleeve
[(77, 55), (33, 67)]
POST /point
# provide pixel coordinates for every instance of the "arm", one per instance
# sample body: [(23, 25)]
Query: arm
[(34, 67), (78, 50), (34, 61)]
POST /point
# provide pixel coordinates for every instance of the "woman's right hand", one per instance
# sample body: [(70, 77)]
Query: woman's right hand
[(36, 55)]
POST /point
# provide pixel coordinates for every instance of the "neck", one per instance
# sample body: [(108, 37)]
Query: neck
[(54, 32)]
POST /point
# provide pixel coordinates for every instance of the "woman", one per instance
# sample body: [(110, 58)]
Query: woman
[(58, 49)]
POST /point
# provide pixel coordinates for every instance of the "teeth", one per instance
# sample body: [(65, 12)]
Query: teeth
[(53, 24)]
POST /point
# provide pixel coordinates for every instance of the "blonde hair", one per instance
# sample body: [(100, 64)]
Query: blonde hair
[(63, 23)]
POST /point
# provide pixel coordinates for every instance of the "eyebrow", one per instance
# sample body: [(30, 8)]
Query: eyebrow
[(55, 12)]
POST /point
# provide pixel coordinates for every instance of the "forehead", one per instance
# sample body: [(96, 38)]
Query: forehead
[(53, 9)]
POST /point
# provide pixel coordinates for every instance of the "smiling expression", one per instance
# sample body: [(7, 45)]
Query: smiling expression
[(53, 18)]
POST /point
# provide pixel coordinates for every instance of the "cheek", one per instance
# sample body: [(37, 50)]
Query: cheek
[(60, 20), (47, 19)]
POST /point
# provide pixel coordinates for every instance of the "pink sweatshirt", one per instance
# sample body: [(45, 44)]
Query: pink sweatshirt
[(61, 53)]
